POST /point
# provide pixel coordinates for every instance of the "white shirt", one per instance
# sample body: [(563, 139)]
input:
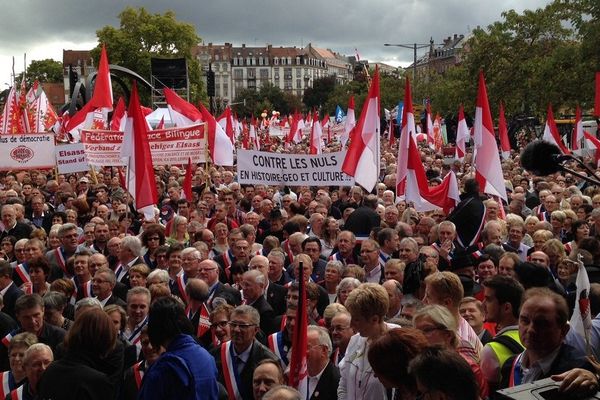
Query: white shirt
[(306, 391)]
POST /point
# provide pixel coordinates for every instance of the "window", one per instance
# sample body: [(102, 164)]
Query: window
[(225, 90), (298, 72), (298, 83), (264, 73), (251, 73), (238, 74)]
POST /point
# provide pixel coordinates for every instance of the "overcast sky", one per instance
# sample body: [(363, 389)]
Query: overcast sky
[(43, 28)]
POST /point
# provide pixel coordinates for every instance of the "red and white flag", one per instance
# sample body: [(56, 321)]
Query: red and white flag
[(219, 144), (487, 161), (597, 96), (12, 122), (581, 320), (316, 136), (551, 133), (94, 114), (226, 122), (187, 182), (135, 152), (411, 181), (161, 123), (503, 133), (326, 126), (362, 158), (438, 140), (592, 143), (119, 117), (429, 122), (25, 116), (43, 115), (182, 113), (577, 133), (298, 370), (295, 135), (254, 139), (462, 134), (349, 123)]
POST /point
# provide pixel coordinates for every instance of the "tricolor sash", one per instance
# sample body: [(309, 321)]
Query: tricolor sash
[(230, 375), (138, 373), (8, 383), (60, 260), (17, 394), (23, 272), (516, 372), (134, 338), (288, 251), (283, 322), (181, 282), (383, 259), (227, 261), (275, 342)]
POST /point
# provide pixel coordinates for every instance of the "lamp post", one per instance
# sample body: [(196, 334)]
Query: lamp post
[(414, 47)]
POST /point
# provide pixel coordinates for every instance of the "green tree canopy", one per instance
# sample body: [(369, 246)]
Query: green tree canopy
[(269, 97), (47, 70), (142, 35)]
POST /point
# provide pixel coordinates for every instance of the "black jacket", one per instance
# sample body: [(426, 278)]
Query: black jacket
[(328, 384)]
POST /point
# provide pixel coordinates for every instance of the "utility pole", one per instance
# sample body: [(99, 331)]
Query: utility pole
[(414, 47)]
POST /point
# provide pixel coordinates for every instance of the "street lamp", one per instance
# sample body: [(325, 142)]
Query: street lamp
[(415, 47)]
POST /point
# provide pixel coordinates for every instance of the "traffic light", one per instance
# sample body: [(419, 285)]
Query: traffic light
[(210, 83)]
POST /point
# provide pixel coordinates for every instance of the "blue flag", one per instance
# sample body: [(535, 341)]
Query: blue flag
[(339, 114), (399, 114)]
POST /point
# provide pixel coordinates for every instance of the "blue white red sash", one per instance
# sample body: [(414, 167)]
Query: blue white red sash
[(138, 374), (134, 338), (17, 394), (8, 383), (516, 372), (283, 322), (23, 271), (86, 290), (203, 321), (288, 251), (275, 342), (181, 282), (230, 375), (227, 261), (60, 260), (383, 259)]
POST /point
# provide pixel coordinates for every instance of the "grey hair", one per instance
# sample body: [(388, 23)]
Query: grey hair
[(324, 338), (249, 311), (88, 302), (276, 392), (34, 349), (133, 243), (160, 274)]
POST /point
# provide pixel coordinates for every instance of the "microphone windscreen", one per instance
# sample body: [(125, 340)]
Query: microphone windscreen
[(539, 158)]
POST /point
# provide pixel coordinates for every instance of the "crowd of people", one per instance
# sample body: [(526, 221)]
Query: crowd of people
[(200, 302)]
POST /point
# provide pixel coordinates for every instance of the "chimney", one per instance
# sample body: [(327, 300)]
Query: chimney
[(243, 45), (455, 36)]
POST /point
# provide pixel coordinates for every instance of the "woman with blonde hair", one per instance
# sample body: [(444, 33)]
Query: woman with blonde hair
[(179, 233), (368, 305), (440, 328)]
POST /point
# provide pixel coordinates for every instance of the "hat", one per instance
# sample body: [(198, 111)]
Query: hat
[(84, 180)]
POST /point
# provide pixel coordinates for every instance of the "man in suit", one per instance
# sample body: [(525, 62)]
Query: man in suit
[(253, 290), (323, 377), (267, 374), (242, 353), (10, 226), (38, 217), (57, 258), (364, 218), (209, 273), (274, 293), (103, 284), (312, 247), (10, 292), (129, 255)]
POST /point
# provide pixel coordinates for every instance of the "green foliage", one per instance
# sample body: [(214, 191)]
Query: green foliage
[(142, 35), (547, 55), (317, 95), (47, 70), (269, 97)]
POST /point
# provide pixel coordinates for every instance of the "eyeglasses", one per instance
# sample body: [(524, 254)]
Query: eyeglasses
[(338, 328), (71, 236), (98, 280), (234, 325), (220, 324)]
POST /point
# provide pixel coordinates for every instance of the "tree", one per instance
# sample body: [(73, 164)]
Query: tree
[(47, 70), (142, 35), (316, 96), (269, 97)]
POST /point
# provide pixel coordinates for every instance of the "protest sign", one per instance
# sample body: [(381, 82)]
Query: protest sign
[(168, 146), (258, 167), (70, 158), (27, 151)]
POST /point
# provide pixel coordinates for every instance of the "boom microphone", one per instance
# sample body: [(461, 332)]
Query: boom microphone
[(542, 158)]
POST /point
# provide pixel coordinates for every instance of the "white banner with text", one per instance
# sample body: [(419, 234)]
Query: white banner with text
[(70, 158), (27, 151), (258, 167), (172, 146)]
